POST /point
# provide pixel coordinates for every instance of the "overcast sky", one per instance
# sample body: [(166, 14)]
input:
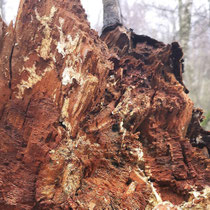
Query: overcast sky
[(10, 8), (93, 8)]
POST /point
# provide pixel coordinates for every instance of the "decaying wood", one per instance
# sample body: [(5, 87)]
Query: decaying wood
[(86, 126)]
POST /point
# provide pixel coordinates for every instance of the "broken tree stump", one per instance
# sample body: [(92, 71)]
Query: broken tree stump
[(86, 126)]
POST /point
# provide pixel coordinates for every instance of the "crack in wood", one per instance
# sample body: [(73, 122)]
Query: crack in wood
[(10, 70)]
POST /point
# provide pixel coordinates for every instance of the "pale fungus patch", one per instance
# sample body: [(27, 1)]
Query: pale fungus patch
[(33, 78), (45, 48), (67, 44)]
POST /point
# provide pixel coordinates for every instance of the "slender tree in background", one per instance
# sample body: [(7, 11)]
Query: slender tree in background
[(1, 5), (185, 15), (209, 12)]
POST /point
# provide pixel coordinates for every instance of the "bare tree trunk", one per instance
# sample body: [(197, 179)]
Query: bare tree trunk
[(112, 14), (209, 12), (185, 8), (1, 8)]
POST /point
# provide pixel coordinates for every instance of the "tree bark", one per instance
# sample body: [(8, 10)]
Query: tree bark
[(185, 9), (112, 14), (209, 12), (86, 126)]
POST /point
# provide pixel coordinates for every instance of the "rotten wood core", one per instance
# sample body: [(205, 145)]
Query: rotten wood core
[(123, 42)]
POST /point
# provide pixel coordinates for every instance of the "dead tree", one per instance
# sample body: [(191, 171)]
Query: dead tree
[(86, 126)]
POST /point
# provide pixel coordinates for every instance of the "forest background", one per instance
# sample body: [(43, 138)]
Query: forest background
[(185, 21)]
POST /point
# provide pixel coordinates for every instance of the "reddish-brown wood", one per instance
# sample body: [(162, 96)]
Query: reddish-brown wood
[(86, 126)]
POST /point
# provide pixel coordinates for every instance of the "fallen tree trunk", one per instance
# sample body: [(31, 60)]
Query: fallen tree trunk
[(84, 126)]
